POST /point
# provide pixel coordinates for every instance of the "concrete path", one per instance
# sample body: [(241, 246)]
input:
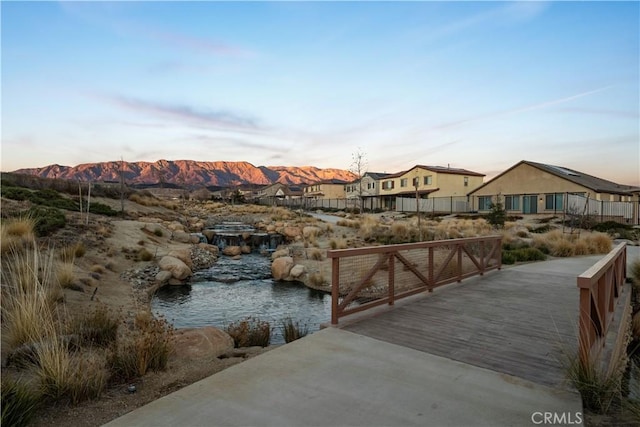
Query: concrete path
[(338, 378)]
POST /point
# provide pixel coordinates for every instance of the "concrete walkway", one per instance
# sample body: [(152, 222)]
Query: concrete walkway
[(337, 378)]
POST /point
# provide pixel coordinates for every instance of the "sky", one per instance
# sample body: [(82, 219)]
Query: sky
[(473, 85)]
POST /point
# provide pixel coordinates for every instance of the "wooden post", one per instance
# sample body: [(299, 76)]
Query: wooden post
[(335, 289), (392, 268)]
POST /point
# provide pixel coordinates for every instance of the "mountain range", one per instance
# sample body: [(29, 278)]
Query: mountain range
[(190, 173)]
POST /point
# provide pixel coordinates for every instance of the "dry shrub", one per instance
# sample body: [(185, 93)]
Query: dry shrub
[(599, 243), (316, 279), (144, 255), (68, 254), (65, 275), (98, 268), (146, 347), (76, 377), (19, 402), (581, 248), (103, 231), (399, 230), (562, 248), (16, 234), (293, 330), (250, 332), (29, 294), (97, 327), (338, 243), (316, 255)]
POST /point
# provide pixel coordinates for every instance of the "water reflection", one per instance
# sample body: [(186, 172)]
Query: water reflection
[(235, 289)]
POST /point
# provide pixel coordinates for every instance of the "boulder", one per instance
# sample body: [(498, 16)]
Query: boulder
[(209, 248), (232, 250), (237, 257), (279, 253), (281, 267), (182, 237), (163, 277), (194, 239), (175, 226), (245, 249), (291, 232), (297, 271), (179, 270), (271, 228), (183, 254), (198, 343)]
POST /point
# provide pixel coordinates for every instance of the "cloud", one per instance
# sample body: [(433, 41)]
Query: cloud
[(519, 110), (199, 44), (188, 115)]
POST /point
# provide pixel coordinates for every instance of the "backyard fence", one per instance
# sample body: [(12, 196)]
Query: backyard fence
[(600, 210)]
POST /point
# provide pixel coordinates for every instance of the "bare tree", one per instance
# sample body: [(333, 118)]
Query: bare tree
[(359, 168)]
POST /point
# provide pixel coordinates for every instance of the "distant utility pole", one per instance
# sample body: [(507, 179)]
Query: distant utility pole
[(416, 183)]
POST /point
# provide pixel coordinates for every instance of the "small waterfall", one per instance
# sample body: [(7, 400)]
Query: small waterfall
[(241, 234)]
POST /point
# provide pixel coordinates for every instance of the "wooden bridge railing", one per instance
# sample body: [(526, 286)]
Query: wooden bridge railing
[(367, 277), (600, 287)]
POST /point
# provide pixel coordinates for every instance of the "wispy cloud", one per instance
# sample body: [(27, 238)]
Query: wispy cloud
[(187, 115), (519, 110), (199, 44)]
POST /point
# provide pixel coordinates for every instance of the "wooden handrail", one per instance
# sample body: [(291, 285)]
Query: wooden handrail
[(376, 265), (600, 287)]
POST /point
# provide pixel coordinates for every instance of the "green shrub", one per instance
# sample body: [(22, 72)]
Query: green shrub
[(18, 403), (47, 219), (292, 331), (508, 257), (144, 255), (497, 214), (158, 232), (543, 229), (16, 193), (250, 332), (608, 226), (102, 209)]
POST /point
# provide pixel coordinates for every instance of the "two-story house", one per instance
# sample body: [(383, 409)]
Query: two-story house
[(422, 182), (365, 192)]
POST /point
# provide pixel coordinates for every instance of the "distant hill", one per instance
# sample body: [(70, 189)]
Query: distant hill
[(190, 173)]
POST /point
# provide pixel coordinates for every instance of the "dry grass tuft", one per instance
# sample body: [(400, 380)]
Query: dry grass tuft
[(65, 275), (316, 279), (16, 234), (316, 255)]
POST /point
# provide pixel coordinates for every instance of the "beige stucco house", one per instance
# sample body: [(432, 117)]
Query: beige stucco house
[(537, 188), (329, 189), (428, 181)]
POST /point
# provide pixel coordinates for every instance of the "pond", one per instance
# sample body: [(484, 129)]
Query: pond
[(233, 290)]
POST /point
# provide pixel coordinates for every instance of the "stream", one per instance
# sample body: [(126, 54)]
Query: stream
[(233, 290)]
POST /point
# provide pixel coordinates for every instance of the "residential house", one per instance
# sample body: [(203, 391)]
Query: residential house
[(326, 194), (537, 188), (422, 182), (278, 193), (366, 190)]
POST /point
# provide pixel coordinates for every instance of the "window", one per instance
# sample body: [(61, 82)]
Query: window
[(415, 182), (368, 186), (427, 180), (484, 203), (512, 203), (553, 201), (403, 182), (466, 181), (387, 185)]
